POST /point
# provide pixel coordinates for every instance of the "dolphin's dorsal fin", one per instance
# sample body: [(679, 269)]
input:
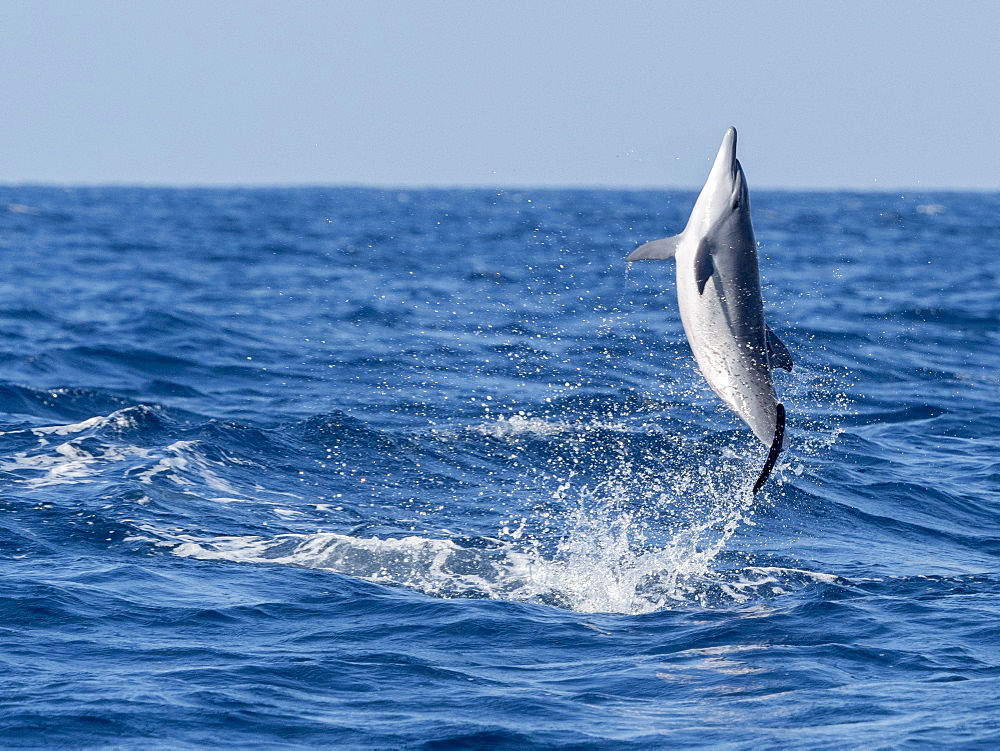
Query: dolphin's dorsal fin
[(703, 266), (658, 250), (778, 355)]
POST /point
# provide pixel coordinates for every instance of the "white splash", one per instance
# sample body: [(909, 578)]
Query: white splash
[(611, 579), (601, 560)]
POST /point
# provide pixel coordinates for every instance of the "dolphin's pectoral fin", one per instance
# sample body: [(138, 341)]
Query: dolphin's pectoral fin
[(772, 455), (778, 355), (657, 250), (703, 266)]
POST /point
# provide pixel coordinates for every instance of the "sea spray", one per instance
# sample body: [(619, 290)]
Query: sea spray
[(605, 552)]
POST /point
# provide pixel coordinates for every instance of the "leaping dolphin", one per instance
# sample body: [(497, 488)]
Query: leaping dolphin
[(718, 293)]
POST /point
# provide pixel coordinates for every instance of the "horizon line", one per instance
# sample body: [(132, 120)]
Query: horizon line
[(476, 186)]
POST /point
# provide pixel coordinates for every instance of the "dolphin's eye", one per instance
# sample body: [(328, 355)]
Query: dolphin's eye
[(736, 203)]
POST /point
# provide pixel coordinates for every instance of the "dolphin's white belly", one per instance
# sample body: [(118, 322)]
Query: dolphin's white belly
[(736, 372)]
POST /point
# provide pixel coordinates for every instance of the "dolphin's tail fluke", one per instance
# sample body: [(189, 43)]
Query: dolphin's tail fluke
[(772, 456)]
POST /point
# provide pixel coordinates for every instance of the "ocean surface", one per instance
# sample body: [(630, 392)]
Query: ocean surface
[(432, 469)]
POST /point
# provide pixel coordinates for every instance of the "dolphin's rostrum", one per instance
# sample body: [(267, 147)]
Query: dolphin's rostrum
[(718, 292)]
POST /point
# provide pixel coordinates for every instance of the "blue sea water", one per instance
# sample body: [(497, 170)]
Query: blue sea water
[(433, 469)]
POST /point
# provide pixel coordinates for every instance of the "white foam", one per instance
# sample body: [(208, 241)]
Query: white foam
[(183, 457), (89, 452), (611, 579), (120, 419), (67, 463)]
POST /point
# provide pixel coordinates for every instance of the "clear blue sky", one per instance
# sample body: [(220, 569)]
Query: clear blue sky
[(877, 94)]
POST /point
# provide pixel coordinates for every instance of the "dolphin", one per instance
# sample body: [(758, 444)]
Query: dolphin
[(718, 293)]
